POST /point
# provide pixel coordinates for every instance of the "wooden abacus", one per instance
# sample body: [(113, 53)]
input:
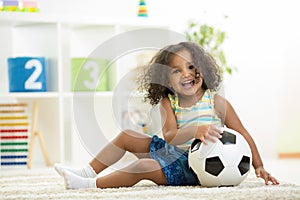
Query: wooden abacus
[(18, 132)]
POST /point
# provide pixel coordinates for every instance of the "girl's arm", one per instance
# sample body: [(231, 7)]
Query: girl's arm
[(176, 136), (171, 133), (231, 120)]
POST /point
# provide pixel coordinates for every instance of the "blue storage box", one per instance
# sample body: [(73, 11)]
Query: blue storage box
[(27, 74)]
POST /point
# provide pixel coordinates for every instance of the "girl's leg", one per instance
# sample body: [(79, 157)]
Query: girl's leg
[(142, 169), (128, 140), (86, 171)]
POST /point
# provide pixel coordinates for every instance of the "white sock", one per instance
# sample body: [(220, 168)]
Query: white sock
[(85, 172), (72, 181)]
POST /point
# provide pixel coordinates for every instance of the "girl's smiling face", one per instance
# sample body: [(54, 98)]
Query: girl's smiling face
[(183, 78)]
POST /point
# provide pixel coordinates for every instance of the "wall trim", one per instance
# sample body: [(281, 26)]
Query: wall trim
[(289, 155)]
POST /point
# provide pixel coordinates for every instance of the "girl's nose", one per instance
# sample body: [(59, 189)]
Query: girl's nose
[(185, 73)]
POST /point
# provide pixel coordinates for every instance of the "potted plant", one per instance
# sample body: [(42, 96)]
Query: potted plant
[(211, 39)]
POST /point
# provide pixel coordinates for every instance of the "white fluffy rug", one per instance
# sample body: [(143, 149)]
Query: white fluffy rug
[(46, 184)]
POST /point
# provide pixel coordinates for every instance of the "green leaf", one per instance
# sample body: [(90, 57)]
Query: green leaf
[(211, 39), (220, 37), (192, 25), (222, 58), (228, 70)]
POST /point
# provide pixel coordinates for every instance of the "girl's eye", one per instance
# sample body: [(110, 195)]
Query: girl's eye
[(191, 67), (176, 71)]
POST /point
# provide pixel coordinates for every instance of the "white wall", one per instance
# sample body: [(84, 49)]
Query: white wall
[(263, 43)]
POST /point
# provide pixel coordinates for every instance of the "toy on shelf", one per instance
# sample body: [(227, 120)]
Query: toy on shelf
[(19, 5), (10, 5), (17, 133), (27, 74), (28, 6), (142, 9), (89, 74)]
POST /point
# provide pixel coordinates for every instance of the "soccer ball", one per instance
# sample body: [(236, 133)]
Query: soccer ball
[(223, 163)]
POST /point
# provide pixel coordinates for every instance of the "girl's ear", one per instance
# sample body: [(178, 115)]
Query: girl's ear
[(199, 75), (199, 78)]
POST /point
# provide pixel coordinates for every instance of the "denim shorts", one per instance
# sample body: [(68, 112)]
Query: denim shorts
[(174, 162)]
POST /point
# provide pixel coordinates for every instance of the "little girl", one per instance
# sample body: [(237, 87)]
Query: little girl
[(184, 79)]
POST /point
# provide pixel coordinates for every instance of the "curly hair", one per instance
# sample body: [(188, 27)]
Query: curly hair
[(155, 78)]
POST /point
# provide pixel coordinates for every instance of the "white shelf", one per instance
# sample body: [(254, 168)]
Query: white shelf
[(58, 39), (36, 95), (87, 94), (24, 18)]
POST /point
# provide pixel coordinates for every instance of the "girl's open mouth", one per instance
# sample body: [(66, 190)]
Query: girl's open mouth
[(188, 84)]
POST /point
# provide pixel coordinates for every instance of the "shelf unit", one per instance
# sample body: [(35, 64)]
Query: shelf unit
[(59, 39)]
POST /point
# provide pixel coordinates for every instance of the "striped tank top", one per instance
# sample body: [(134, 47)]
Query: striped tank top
[(201, 113)]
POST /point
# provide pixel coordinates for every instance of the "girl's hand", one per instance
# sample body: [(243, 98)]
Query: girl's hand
[(208, 132), (262, 173)]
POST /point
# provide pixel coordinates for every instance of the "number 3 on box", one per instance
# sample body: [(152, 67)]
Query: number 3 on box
[(93, 67)]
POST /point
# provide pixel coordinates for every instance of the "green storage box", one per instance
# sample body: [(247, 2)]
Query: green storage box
[(90, 74)]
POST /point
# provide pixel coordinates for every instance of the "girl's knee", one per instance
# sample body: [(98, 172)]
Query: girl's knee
[(124, 135), (146, 165), (127, 134), (130, 136), (150, 169), (126, 139)]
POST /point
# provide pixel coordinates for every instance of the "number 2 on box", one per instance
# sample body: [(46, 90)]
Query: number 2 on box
[(31, 82)]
